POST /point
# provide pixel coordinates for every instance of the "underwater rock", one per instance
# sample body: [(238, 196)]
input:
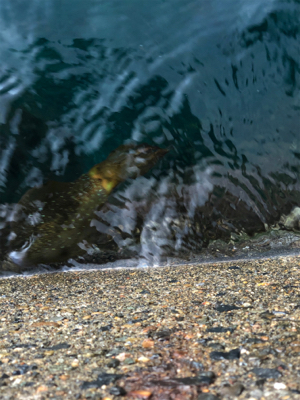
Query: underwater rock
[(292, 220)]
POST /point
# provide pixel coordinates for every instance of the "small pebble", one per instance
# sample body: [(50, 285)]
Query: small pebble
[(222, 355), (207, 396), (113, 363), (234, 390), (117, 391), (266, 373), (279, 386)]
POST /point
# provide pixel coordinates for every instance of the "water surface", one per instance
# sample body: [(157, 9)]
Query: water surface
[(216, 82)]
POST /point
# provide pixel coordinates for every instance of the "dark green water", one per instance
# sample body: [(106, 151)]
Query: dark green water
[(215, 81)]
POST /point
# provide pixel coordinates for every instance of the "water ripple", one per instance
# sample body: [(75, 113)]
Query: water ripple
[(216, 82)]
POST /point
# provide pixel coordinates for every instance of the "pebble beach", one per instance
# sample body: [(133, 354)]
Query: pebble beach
[(218, 330)]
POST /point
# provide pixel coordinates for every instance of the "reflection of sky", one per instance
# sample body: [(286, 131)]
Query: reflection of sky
[(161, 31), (124, 23)]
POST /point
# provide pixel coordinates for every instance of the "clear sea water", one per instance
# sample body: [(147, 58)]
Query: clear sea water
[(217, 82)]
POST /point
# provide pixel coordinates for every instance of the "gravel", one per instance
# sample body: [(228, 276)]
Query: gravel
[(209, 331)]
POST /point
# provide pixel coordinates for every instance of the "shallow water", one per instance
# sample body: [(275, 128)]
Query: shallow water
[(216, 82)]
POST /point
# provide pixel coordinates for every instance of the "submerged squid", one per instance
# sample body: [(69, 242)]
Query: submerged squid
[(61, 212)]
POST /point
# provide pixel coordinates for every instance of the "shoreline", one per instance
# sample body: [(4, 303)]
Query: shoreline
[(265, 245), (204, 259)]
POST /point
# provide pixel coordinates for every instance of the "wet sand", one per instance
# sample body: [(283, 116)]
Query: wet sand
[(224, 329)]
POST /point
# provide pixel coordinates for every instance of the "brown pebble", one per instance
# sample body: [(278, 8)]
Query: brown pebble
[(148, 343), (140, 394)]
